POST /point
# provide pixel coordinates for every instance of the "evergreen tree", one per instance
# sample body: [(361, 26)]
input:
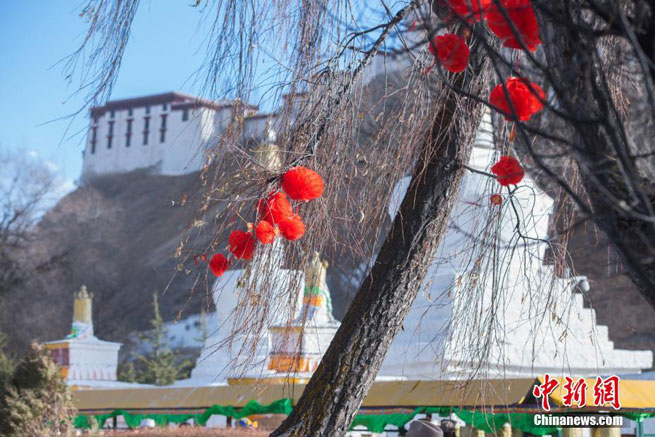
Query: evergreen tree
[(126, 372), (159, 365), (37, 400)]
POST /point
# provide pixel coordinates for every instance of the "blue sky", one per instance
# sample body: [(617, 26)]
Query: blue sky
[(165, 49)]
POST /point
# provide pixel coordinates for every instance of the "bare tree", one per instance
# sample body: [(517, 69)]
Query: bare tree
[(26, 189)]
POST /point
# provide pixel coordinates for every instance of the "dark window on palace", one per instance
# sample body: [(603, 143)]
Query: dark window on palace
[(146, 129), (111, 114), (148, 109), (110, 135), (162, 131), (130, 112), (95, 120), (94, 137), (185, 115), (128, 134), (164, 107)]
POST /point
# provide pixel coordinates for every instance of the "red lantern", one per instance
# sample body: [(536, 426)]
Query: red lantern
[(275, 208), (265, 232), (521, 15), (218, 264), (303, 184), (496, 199), (452, 52), (526, 98), (292, 228), (508, 171), (470, 10), (242, 244)]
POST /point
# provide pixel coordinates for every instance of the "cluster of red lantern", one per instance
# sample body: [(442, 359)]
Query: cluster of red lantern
[(276, 217), (521, 30), (514, 22)]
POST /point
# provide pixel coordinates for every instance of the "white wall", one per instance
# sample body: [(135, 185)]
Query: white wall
[(182, 150)]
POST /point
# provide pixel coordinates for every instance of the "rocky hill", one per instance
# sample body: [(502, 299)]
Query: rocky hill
[(117, 235)]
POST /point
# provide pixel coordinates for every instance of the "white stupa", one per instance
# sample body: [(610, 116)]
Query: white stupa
[(491, 307), (85, 360)]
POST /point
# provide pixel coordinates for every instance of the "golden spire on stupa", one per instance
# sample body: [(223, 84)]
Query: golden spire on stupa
[(82, 306)]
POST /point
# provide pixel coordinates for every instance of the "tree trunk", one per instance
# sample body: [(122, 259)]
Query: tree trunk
[(336, 390), (621, 196)]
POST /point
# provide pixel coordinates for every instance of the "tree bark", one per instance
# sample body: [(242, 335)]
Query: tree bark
[(336, 390), (621, 197)]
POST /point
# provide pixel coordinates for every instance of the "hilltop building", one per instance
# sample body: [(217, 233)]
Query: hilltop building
[(169, 133), (165, 132)]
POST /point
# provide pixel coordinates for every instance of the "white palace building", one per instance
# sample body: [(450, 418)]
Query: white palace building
[(165, 132), (169, 133)]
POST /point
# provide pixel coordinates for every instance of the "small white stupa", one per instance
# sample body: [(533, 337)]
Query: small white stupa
[(85, 361)]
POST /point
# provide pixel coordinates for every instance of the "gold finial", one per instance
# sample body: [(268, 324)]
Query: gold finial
[(82, 293), (82, 309)]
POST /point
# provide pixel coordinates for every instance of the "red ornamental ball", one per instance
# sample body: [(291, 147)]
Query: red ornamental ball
[(496, 199), (265, 232), (292, 228), (452, 52), (526, 97), (275, 208), (508, 171), (218, 264), (242, 244), (303, 184), (521, 15), (470, 10)]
